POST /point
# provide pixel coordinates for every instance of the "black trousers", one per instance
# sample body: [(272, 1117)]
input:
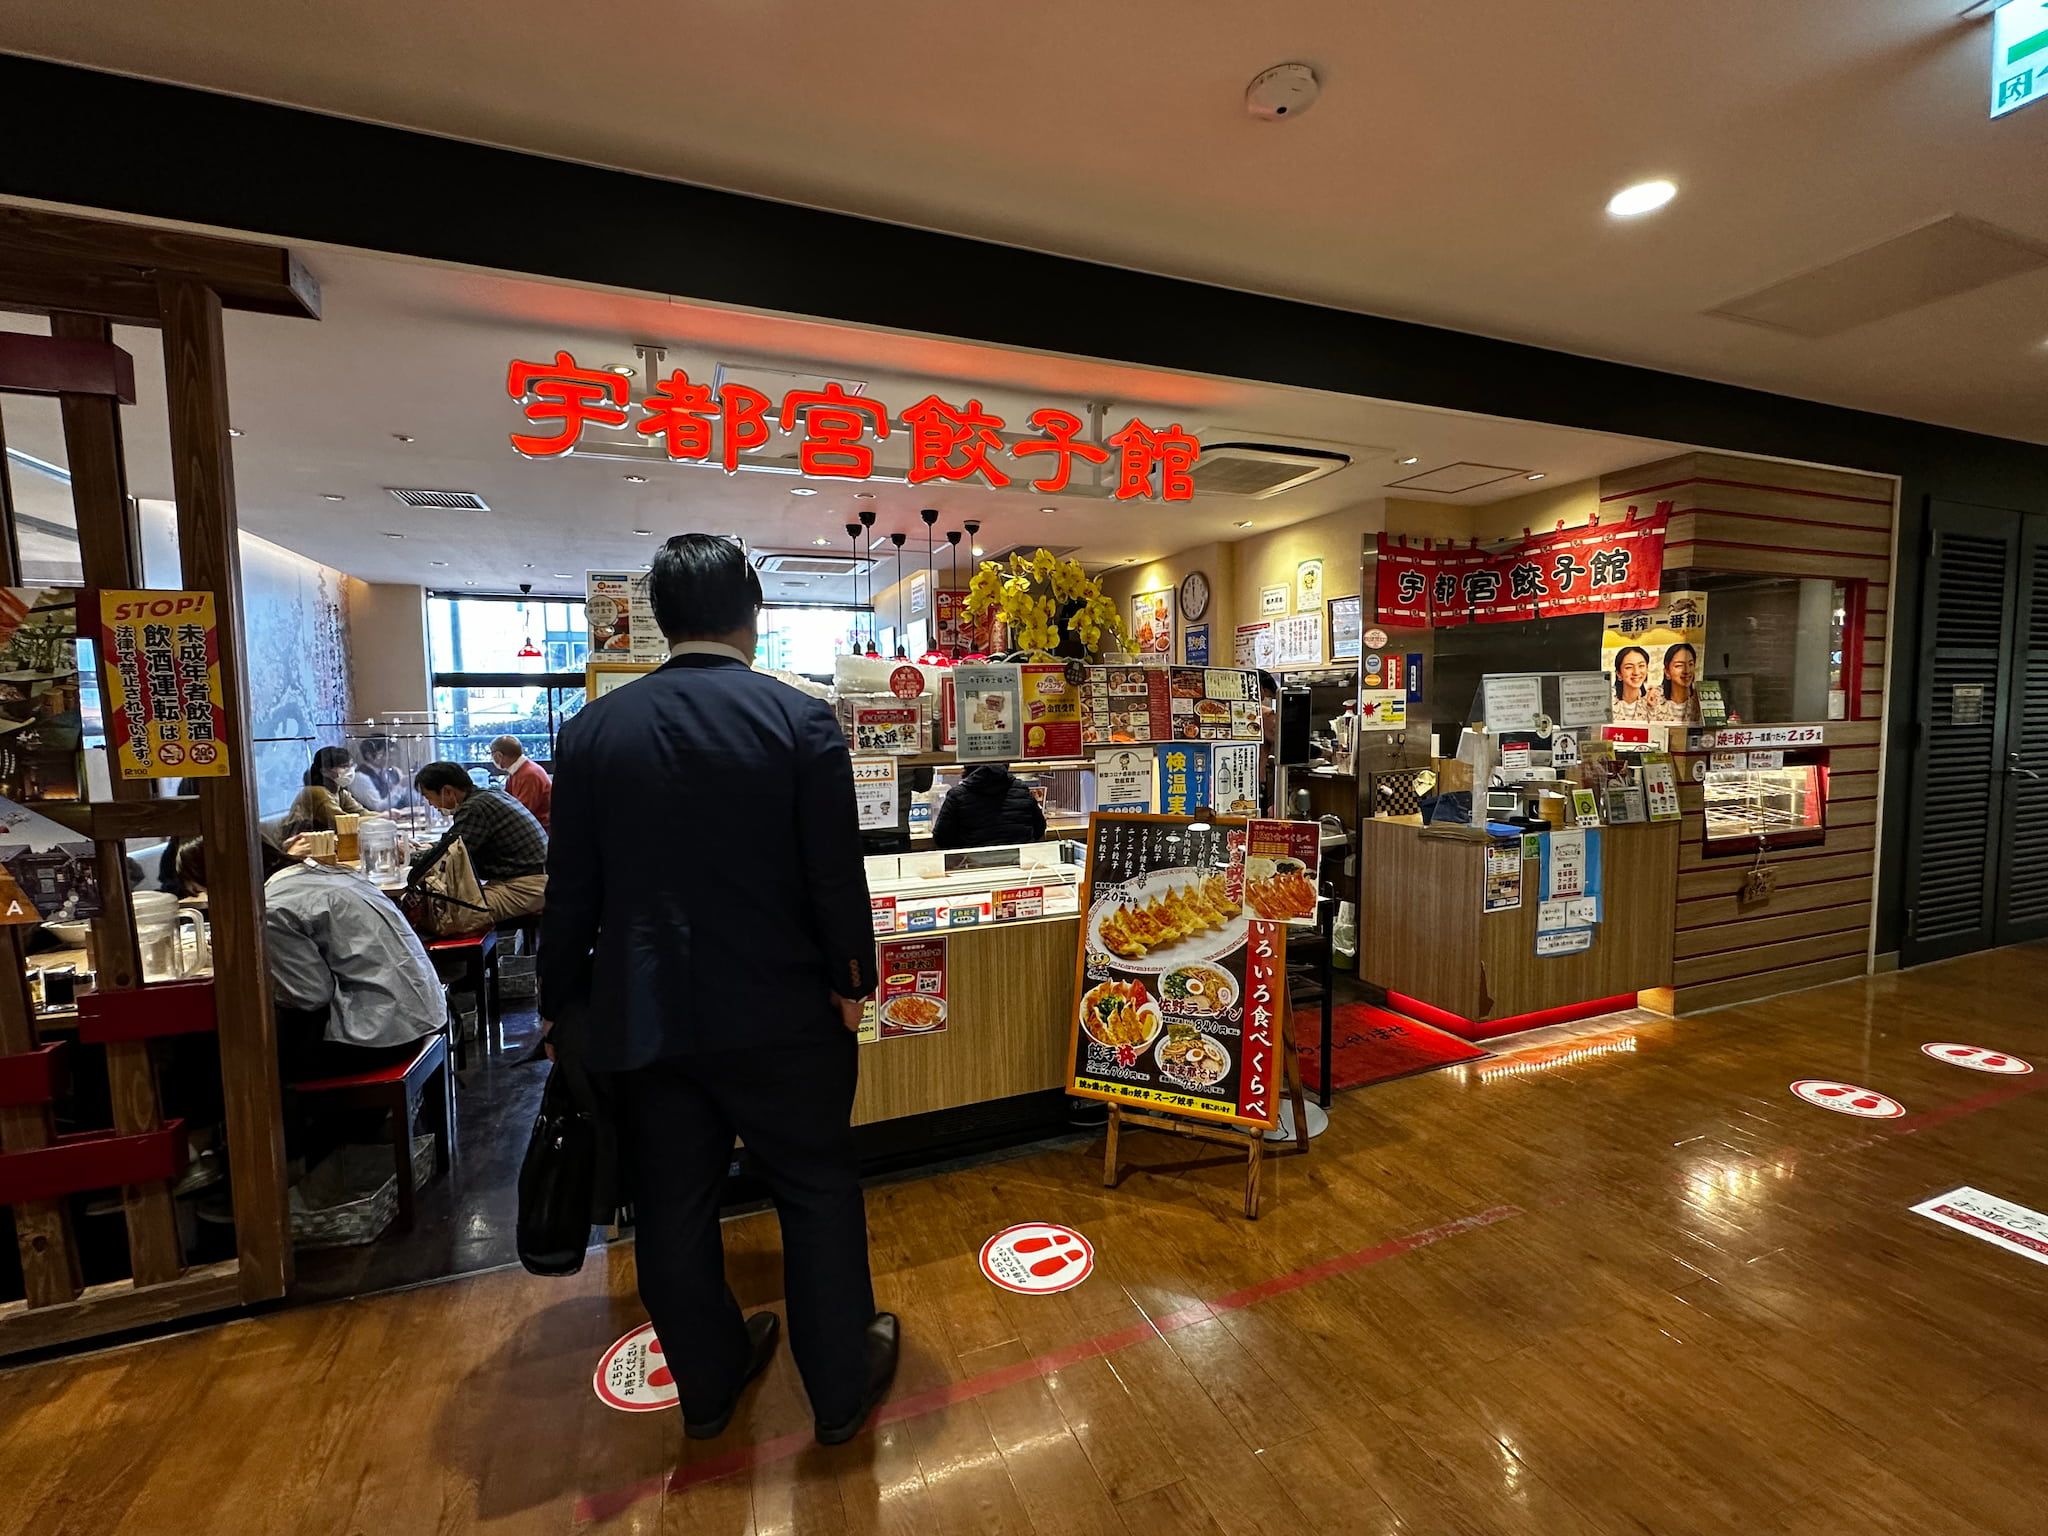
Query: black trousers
[(791, 1105)]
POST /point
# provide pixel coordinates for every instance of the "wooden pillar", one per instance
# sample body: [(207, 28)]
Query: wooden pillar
[(42, 1230), (109, 554), (202, 475)]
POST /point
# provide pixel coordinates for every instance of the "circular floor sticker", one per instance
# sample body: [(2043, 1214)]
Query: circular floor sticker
[(1036, 1258), (633, 1377), (1976, 1057), (1848, 1099)]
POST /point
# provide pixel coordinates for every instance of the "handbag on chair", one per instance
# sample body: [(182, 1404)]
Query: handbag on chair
[(446, 898)]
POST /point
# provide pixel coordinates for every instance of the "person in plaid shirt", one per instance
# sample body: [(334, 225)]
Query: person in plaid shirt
[(507, 848)]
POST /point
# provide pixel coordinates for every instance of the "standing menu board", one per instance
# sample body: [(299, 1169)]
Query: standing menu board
[(1179, 987)]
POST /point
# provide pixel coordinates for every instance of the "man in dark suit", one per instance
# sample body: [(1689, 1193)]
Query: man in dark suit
[(708, 933)]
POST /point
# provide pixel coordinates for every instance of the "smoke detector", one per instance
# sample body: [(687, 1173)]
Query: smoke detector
[(1284, 91)]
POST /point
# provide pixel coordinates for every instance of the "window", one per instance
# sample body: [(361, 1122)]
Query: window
[(504, 666), (805, 640)]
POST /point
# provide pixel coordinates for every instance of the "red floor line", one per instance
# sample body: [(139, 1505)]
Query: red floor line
[(2033, 1083), (602, 1506)]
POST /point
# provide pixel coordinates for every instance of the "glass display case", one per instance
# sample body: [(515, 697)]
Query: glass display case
[(1760, 800), (1065, 791), (935, 892)]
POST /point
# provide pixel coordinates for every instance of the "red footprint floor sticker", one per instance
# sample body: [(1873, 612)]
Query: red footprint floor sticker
[(633, 1377), (1037, 1258), (1977, 1058), (1848, 1099)]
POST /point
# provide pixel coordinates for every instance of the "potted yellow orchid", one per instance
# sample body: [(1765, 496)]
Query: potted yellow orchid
[(1051, 605)]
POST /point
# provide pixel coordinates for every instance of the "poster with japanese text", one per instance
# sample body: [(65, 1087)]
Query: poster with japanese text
[(910, 995), (874, 793), (1298, 640), (1308, 586), (1152, 626), (1652, 660), (988, 712), (1253, 645), (1183, 779), (1126, 705), (42, 720), (1346, 620), (1051, 711), (1197, 643), (1503, 876), (1282, 860), (887, 728), (160, 659), (1179, 990), (620, 617), (1234, 778), (1123, 779)]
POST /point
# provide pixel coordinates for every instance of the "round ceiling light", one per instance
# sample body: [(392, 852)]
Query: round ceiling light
[(636, 479), (1537, 476), (332, 496), (801, 490), (1643, 197)]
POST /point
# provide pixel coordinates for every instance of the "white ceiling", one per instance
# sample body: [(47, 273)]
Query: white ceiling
[(1455, 170), (408, 349)]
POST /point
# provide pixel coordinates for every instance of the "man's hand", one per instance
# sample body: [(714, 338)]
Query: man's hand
[(849, 1012)]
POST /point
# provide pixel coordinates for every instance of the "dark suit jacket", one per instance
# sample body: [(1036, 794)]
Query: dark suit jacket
[(705, 885)]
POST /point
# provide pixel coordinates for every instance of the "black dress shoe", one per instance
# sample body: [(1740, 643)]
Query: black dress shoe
[(884, 1340), (763, 1329)]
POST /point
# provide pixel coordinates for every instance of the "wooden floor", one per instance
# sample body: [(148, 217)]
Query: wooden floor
[(1632, 1286)]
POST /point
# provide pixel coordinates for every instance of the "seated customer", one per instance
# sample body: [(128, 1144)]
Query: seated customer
[(525, 780), (313, 809), (335, 771), (988, 806), (352, 985), (379, 783), (507, 848)]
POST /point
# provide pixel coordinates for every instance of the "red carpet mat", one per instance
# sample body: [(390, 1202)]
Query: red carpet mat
[(1373, 1045)]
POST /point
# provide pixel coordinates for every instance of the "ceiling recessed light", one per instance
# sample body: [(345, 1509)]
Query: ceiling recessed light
[(978, 550), (1048, 509), (645, 533), (332, 496), (469, 583), (821, 543), (401, 437), (636, 479), (801, 490), (1244, 525), (437, 562), (628, 369), (560, 576), (1537, 476), (394, 535), (1411, 459), (1643, 197), (863, 495), (234, 431)]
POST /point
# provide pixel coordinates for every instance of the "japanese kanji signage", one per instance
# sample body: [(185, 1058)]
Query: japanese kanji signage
[(837, 432), (1180, 987), (1595, 569), (160, 658)]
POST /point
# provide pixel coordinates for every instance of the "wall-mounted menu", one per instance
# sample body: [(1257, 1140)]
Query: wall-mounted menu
[(1052, 711), (1179, 989), (1134, 704)]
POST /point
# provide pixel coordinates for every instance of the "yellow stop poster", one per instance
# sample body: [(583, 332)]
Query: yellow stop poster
[(160, 675)]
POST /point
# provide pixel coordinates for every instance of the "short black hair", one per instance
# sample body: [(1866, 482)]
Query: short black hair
[(702, 585), (192, 860), (444, 776)]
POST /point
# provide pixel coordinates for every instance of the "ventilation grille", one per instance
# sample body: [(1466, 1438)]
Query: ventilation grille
[(1455, 479), (809, 565), (1260, 469), (451, 501)]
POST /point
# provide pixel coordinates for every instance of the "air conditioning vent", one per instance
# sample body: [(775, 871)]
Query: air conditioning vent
[(450, 501), (808, 565), (1259, 470)]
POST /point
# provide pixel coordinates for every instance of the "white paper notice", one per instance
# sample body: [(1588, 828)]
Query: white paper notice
[(1567, 864), (1660, 784), (2015, 1228), (1581, 911), (1564, 749), (1233, 777), (1584, 698), (1514, 756), (1512, 701), (1571, 941), (874, 792), (1553, 916), (1383, 709)]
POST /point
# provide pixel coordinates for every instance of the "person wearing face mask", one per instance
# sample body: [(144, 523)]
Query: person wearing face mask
[(334, 771)]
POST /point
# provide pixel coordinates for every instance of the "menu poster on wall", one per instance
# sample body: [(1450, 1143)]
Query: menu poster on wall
[(1152, 626), (619, 615), (1511, 701), (989, 712), (1282, 864), (1382, 709), (1272, 601), (1298, 640), (1253, 646), (910, 996), (1308, 587), (1234, 778), (874, 793), (1346, 620), (1197, 643), (1660, 786), (164, 711), (1178, 988), (1503, 876), (1126, 704), (1183, 780), (1052, 711), (1123, 780), (1584, 698)]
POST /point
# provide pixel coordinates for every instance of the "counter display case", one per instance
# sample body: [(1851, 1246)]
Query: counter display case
[(936, 892), (1065, 790), (1755, 800)]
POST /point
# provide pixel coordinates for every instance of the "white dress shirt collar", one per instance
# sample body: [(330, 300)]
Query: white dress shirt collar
[(709, 648)]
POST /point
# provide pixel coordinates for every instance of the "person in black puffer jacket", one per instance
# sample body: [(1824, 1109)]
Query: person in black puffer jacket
[(989, 806)]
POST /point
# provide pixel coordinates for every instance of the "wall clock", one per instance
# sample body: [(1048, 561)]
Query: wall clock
[(1194, 596)]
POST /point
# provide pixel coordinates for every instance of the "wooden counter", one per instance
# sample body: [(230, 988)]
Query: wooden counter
[(1009, 1012), (1424, 933)]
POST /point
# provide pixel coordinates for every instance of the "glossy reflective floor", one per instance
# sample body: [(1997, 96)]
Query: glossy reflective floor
[(1624, 1283)]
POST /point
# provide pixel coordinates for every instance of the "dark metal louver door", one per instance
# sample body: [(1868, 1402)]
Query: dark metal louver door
[(1953, 859), (2022, 905)]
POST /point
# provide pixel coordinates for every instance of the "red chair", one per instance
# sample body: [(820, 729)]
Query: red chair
[(473, 960), (400, 1089)]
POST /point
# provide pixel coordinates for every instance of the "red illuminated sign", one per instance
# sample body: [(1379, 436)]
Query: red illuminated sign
[(954, 443)]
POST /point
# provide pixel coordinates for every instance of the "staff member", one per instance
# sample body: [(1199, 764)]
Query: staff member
[(990, 805), (714, 964)]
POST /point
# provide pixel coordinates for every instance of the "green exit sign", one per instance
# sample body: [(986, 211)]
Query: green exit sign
[(2019, 55)]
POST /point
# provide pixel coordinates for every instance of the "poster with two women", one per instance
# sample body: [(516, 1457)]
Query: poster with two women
[(1652, 657)]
